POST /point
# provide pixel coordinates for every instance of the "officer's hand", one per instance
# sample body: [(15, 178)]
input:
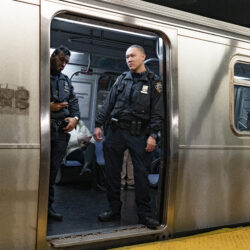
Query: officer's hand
[(151, 144), (98, 134), (71, 125), (56, 106)]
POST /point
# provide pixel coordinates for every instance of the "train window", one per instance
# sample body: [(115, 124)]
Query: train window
[(241, 90), (97, 59), (242, 71)]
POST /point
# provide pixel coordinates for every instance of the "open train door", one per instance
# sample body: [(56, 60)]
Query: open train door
[(98, 34)]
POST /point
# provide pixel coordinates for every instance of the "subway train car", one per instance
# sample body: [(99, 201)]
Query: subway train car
[(204, 168)]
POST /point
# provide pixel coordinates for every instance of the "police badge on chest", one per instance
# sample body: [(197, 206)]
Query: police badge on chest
[(144, 89)]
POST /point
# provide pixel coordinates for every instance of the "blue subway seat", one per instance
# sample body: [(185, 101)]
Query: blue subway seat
[(72, 164)]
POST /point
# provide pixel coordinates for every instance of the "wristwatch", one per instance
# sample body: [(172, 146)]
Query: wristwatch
[(77, 118), (154, 135)]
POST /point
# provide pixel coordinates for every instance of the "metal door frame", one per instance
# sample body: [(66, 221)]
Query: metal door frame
[(50, 9)]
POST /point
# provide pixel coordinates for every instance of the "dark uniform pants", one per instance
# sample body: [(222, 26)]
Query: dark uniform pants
[(59, 142), (116, 142)]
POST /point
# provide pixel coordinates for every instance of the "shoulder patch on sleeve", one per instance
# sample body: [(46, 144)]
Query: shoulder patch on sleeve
[(158, 87)]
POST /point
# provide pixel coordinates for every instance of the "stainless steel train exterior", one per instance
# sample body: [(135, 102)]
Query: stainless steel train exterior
[(207, 159)]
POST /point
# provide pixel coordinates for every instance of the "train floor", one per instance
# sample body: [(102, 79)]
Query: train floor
[(80, 205), (222, 239)]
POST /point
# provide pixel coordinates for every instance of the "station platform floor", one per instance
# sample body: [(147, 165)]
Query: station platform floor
[(222, 239)]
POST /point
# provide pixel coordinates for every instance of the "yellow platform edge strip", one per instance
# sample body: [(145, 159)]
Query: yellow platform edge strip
[(221, 239)]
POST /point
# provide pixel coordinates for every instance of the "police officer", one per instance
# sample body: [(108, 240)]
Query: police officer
[(133, 112), (64, 117)]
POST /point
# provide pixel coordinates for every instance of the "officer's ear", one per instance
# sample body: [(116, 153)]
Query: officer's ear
[(144, 56)]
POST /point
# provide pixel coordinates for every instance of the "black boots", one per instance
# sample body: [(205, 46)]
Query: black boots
[(54, 215), (109, 216), (149, 222)]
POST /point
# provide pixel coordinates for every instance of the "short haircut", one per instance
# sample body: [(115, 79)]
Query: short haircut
[(135, 46), (62, 48)]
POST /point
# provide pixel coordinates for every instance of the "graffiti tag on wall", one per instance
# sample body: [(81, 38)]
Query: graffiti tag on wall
[(13, 99)]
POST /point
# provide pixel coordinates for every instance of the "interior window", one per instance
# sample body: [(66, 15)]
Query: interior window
[(242, 96)]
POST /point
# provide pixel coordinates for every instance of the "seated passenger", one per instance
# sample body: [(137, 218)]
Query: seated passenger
[(81, 147)]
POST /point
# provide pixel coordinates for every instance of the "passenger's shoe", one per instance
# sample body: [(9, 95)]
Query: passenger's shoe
[(54, 215), (109, 216), (149, 222)]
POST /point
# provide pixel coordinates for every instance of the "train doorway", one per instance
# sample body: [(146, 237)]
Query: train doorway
[(98, 57)]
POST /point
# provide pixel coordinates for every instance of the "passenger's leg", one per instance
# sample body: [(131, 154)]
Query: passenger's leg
[(130, 172), (89, 156), (124, 170)]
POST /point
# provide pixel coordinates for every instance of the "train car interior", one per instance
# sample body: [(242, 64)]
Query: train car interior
[(98, 57)]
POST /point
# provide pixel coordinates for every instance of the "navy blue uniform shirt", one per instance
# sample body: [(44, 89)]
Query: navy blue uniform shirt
[(63, 91), (135, 97)]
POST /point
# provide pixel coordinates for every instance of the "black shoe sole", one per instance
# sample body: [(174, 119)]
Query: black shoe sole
[(149, 225)]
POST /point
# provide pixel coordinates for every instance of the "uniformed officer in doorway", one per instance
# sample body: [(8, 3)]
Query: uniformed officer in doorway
[(64, 117), (133, 116)]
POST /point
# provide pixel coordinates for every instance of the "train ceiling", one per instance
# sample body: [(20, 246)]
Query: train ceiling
[(99, 41), (232, 11)]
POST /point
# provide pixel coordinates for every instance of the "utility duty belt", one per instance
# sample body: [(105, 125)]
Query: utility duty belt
[(134, 127), (58, 124)]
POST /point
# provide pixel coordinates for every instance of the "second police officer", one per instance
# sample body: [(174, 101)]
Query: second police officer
[(132, 115), (64, 117)]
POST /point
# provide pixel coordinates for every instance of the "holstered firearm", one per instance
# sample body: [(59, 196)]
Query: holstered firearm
[(113, 123), (58, 125)]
